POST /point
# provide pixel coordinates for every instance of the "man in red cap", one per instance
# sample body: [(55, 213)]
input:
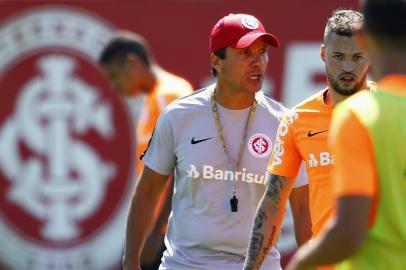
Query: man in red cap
[(217, 143)]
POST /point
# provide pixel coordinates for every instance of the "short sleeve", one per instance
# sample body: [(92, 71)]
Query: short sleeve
[(160, 155), (285, 160)]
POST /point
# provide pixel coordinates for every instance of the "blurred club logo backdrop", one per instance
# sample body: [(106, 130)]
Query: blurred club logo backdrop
[(65, 145)]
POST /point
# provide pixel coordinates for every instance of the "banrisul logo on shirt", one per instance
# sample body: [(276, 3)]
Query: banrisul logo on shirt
[(208, 172), (260, 145)]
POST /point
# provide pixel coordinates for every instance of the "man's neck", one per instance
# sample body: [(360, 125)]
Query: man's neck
[(234, 99), (334, 98), (151, 79)]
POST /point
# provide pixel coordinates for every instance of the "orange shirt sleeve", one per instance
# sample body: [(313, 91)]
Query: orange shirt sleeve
[(355, 170), (154, 103), (286, 159)]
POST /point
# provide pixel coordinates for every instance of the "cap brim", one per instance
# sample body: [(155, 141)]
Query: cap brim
[(248, 39)]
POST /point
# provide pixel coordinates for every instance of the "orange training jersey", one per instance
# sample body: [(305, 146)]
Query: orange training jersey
[(355, 170), (303, 135), (357, 173), (169, 87)]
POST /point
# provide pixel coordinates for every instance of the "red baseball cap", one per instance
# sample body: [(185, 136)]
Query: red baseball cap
[(238, 31)]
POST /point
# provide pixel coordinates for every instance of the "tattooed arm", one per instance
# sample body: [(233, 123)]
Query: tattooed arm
[(268, 220)]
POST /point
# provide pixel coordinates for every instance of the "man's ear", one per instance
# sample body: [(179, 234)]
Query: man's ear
[(323, 53), (215, 62), (134, 62)]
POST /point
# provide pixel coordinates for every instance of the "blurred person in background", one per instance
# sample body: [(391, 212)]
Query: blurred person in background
[(128, 62), (303, 136), (368, 136), (217, 141)]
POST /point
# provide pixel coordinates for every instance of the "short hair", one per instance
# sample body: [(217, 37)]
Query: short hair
[(385, 21), (121, 44), (343, 22), (220, 54)]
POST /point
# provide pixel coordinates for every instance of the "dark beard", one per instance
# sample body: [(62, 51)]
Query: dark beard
[(345, 92)]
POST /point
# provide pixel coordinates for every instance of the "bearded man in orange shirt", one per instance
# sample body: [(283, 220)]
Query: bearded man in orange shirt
[(303, 136), (368, 136)]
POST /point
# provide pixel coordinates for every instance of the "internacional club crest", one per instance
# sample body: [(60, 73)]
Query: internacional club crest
[(260, 145), (65, 145), (250, 22)]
